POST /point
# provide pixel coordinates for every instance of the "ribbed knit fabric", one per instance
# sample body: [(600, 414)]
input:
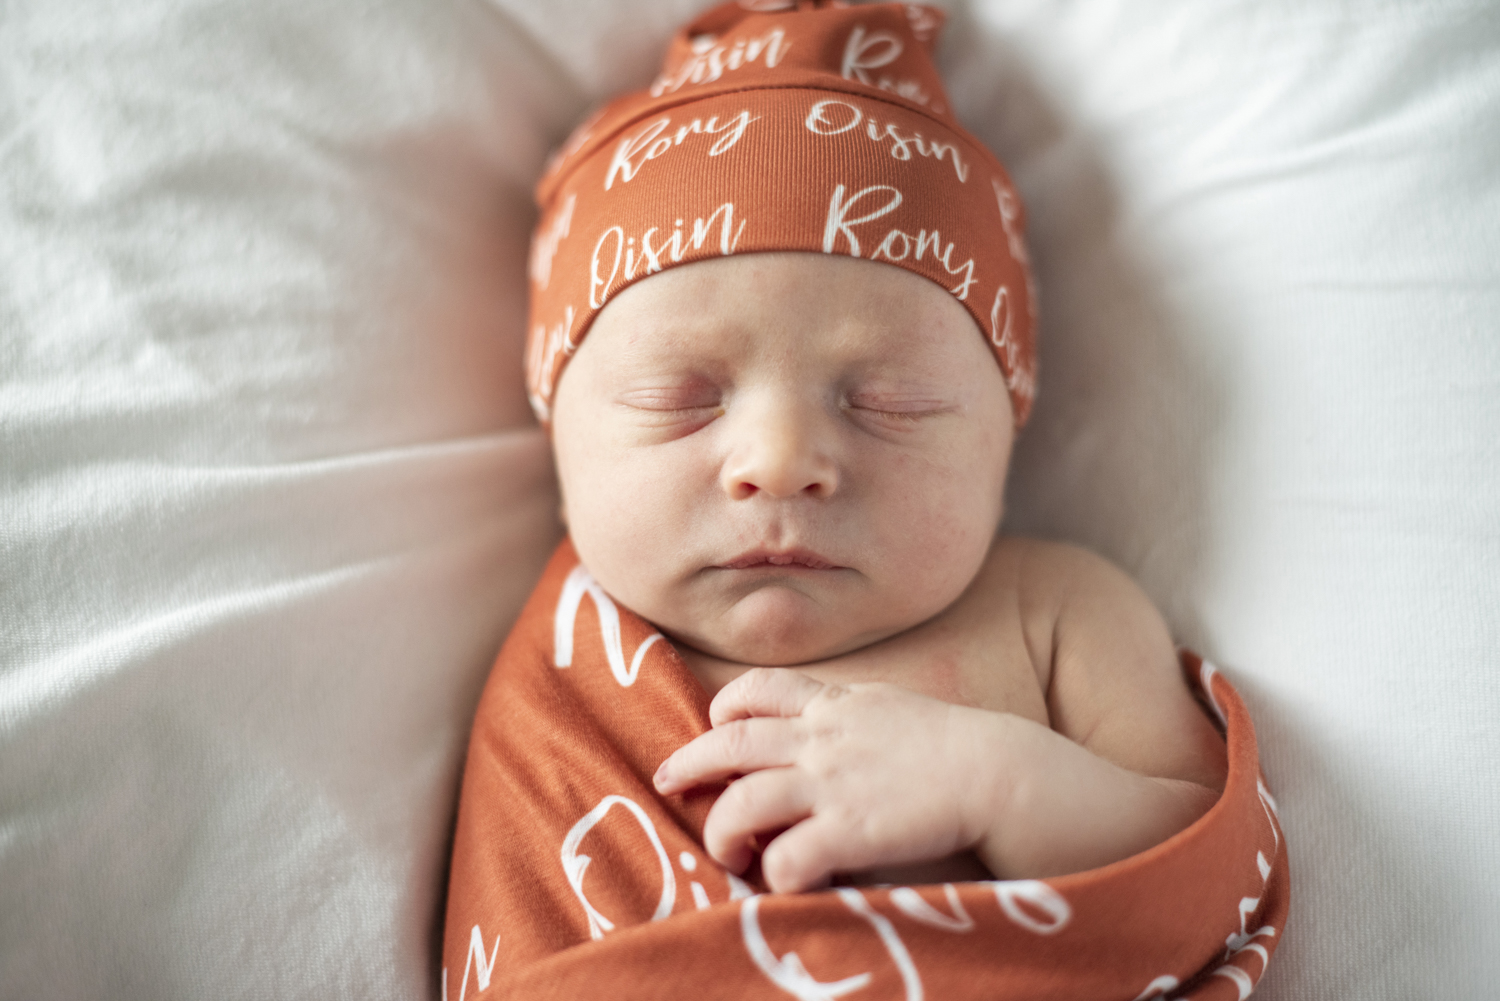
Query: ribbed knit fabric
[(782, 127)]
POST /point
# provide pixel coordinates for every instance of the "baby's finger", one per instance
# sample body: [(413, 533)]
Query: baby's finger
[(736, 748), (806, 856), (764, 801), (763, 691)]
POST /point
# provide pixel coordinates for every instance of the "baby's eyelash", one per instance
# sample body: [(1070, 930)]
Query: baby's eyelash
[(904, 416), (900, 411), (669, 401)]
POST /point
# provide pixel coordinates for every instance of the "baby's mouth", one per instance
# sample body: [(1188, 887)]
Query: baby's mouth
[(803, 558)]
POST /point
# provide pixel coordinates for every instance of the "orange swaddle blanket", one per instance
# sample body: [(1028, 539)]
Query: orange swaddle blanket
[(572, 878)]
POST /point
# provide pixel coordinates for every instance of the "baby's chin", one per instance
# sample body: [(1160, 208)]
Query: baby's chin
[(776, 626)]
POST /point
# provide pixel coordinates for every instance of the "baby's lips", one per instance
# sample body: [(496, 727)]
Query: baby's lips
[(795, 557)]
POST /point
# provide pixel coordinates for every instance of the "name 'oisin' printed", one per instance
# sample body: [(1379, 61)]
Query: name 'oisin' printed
[(862, 85), (642, 256), (832, 117), (710, 59), (1010, 222), (1019, 379)]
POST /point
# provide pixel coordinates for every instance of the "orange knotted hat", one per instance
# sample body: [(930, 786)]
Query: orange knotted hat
[(781, 125)]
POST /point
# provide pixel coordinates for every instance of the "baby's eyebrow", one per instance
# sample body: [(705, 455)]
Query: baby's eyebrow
[(662, 369), (677, 339), (903, 391)]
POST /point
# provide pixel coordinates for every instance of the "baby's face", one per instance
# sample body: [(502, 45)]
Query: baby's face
[(777, 458)]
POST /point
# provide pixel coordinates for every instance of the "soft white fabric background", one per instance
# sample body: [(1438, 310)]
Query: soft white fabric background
[(269, 496)]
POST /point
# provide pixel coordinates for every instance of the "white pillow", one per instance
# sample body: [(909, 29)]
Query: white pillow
[(271, 491), (1270, 388), (269, 495)]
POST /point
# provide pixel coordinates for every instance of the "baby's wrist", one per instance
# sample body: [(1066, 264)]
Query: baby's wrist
[(1062, 809), (987, 787)]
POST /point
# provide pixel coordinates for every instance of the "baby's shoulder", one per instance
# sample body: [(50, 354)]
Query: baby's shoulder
[(1069, 599), (1112, 678), (1047, 576), (1044, 566)]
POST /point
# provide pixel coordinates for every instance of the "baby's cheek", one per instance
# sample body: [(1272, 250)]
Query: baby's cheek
[(626, 529), (936, 527), (948, 504)]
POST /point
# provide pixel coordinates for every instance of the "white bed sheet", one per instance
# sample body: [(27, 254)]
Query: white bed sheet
[(269, 494)]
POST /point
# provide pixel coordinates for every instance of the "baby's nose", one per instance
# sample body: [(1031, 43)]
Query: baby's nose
[(778, 453)]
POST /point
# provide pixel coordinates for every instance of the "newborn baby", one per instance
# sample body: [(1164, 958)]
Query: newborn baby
[(782, 339), (792, 460)]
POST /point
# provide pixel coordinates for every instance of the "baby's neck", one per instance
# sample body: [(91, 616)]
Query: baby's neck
[(909, 660), (712, 673)]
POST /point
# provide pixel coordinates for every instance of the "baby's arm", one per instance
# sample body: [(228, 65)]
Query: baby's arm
[(866, 775), (1141, 762)]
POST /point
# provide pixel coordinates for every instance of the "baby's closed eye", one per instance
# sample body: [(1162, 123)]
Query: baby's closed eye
[(666, 398), (896, 408), (671, 407)]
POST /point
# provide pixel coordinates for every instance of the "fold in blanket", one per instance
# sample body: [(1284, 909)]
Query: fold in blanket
[(571, 875)]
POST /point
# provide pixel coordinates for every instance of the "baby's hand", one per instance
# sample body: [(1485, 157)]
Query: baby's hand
[(860, 775)]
